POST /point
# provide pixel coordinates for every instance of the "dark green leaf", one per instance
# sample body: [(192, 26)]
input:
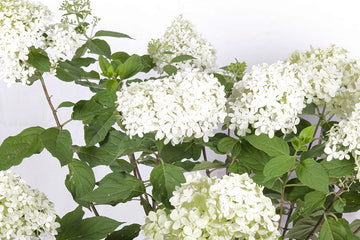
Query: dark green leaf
[(170, 69), (272, 146), (58, 143), (253, 158), (67, 72), (131, 67), (84, 110), (181, 58), (352, 199), (69, 220), (313, 174), (226, 144), (178, 152), (121, 56), (83, 62), (309, 109), (350, 233), (115, 188), (279, 165), (80, 180), (237, 167), (302, 228), (148, 63), (15, 148), (39, 60), (355, 225), (332, 230), (66, 104), (315, 151), (164, 178), (126, 233), (103, 33), (339, 168), (208, 165), (292, 193), (80, 51), (121, 165), (99, 47), (313, 201)]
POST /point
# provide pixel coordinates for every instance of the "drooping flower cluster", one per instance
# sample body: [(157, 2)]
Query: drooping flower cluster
[(233, 207), (269, 98), (187, 104), (24, 25), (181, 38), (24, 212)]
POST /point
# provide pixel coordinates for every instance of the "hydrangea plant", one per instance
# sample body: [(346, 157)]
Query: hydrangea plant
[(284, 176)]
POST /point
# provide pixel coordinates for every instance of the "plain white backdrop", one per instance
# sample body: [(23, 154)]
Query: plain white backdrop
[(252, 31)]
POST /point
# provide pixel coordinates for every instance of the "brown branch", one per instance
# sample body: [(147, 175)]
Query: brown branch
[(288, 218), (50, 103), (94, 209), (205, 159), (357, 230)]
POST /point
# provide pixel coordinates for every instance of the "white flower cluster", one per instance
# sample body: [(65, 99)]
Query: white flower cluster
[(24, 212), (269, 98), (187, 104), (24, 25), (181, 38), (233, 207)]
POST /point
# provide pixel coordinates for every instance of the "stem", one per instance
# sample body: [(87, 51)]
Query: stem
[(281, 204), (327, 210), (205, 159), (62, 125), (50, 103), (357, 230), (288, 218), (94, 210)]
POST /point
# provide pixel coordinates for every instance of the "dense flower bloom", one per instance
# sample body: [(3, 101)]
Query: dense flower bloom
[(24, 25), (24, 212), (233, 207), (188, 104), (181, 38), (269, 98)]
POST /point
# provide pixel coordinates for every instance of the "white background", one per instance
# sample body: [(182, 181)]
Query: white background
[(252, 31)]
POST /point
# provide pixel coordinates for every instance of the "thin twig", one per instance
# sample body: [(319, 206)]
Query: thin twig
[(50, 103), (357, 230), (205, 159), (94, 210), (281, 204), (288, 218)]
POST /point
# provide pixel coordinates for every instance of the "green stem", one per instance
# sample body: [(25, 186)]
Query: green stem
[(62, 125)]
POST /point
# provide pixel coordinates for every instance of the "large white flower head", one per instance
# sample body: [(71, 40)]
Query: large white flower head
[(233, 207), (269, 98), (328, 76), (24, 25), (181, 38), (187, 104), (24, 212), (344, 139)]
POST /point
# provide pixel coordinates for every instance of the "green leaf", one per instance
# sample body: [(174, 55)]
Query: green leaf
[(355, 225), (350, 233), (226, 144), (66, 104), (293, 193), (15, 148), (164, 178), (352, 199), (181, 58), (237, 167), (80, 51), (306, 135), (99, 47), (84, 109), (126, 233), (207, 165), (131, 67), (121, 56), (302, 228), (58, 143), (315, 151), (39, 60), (313, 201), (309, 109), (339, 205), (272, 146), (83, 62), (80, 180), (103, 33), (279, 165), (148, 63), (115, 188), (332, 230), (104, 65), (313, 175), (171, 154), (170, 69), (98, 128), (105, 98), (121, 165), (253, 158), (69, 220), (339, 168), (67, 72)]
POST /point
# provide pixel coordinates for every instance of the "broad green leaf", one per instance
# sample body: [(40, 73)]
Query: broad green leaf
[(268, 182), (306, 135), (105, 98), (237, 167), (115, 188), (80, 51), (103, 33), (121, 165), (126, 233), (313, 174), (99, 127), (67, 72), (339, 168), (313, 201), (253, 158), (104, 65), (339, 205), (315, 151), (39, 60), (15, 148), (352, 199), (355, 225), (309, 109), (80, 180), (272, 146), (83, 62), (99, 47), (171, 154), (292, 193), (84, 109), (65, 104), (332, 230), (213, 142), (148, 63), (350, 233), (207, 165), (164, 178), (181, 58), (170, 69), (279, 165), (302, 228), (58, 143), (69, 220), (226, 144), (131, 67), (121, 56)]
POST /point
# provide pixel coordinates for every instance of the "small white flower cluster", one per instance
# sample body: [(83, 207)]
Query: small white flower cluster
[(269, 98), (233, 207), (181, 38), (24, 212), (344, 139), (187, 104), (24, 25)]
